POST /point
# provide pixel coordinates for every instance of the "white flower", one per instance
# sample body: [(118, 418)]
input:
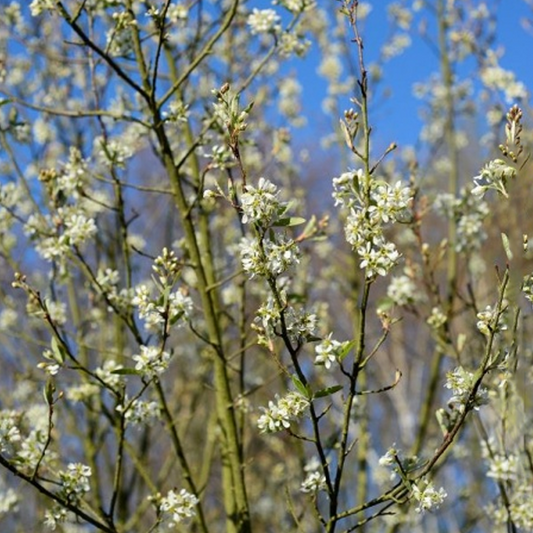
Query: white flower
[(279, 415), (437, 318), (9, 432), (55, 516), (140, 412), (497, 78), (177, 507), (83, 392), (38, 6), (494, 175), (378, 257), (263, 21), (8, 319), (461, 383), (428, 498), (296, 6), (9, 499), (180, 306), (57, 311), (503, 467), (75, 481), (314, 482), (261, 204), (389, 458), (272, 259), (402, 290), (489, 322), (106, 373), (328, 351), (79, 228), (151, 361)]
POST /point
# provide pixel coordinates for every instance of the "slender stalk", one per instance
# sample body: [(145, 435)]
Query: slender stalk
[(451, 276)]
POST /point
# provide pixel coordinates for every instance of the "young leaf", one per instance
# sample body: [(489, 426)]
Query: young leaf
[(347, 348), (58, 351), (301, 388), (290, 221), (327, 392), (126, 371), (507, 247)]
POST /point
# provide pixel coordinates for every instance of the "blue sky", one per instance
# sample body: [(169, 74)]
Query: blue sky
[(396, 118)]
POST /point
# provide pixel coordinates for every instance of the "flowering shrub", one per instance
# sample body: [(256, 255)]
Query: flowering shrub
[(206, 325)]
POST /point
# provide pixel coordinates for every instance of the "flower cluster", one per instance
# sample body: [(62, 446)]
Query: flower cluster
[(139, 412), (494, 175), (389, 458), (402, 290), (469, 210), (70, 227), (427, 497), (313, 482), (178, 111), (520, 508), (268, 257), (177, 507), (296, 6), (9, 499), (151, 362), (38, 6), (228, 111), (82, 392), (9, 431), (490, 321), (497, 78), (328, 351), (167, 267), (437, 318), (503, 467), (368, 216), (299, 323), (263, 21), (107, 373), (55, 516), (278, 416), (75, 482), (261, 204), (461, 383), (174, 309)]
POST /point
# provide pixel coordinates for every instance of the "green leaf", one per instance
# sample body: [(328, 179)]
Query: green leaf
[(301, 388), (349, 346), (48, 392), (249, 107), (126, 371), (385, 304), (289, 221), (328, 391), (507, 247), (58, 351), (310, 226)]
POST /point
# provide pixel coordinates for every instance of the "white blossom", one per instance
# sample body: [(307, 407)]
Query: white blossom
[(263, 21), (9, 431), (428, 498), (328, 351), (151, 361), (140, 412), (177, 507), (278, 416), (314, 482)]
